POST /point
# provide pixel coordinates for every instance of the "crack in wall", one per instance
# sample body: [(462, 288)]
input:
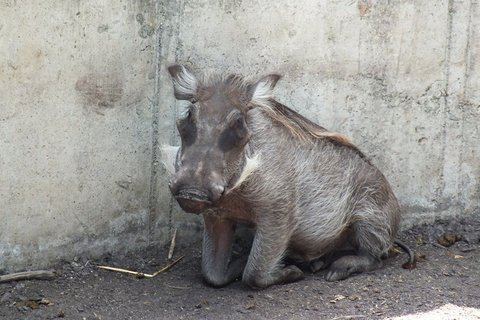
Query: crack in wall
[(173, 132), (155, 105), (456, 75), (169, 12), (441, 189), (464, 102)]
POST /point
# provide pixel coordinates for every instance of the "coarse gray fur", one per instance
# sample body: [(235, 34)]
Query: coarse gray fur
[(307, 192)]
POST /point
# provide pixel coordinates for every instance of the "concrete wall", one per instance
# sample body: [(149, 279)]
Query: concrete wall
[(401, 78), (77, 87), (85, 103)]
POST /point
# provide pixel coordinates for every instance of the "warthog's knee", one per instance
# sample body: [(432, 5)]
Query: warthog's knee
[(214, 279)]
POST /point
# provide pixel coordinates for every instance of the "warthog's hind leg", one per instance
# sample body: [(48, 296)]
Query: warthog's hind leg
[(318, 264), (343, 267), (265, 267)]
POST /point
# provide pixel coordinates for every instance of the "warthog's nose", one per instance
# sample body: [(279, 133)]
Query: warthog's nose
[(172, 184), (192, 199), (195, 195), (217, 191)]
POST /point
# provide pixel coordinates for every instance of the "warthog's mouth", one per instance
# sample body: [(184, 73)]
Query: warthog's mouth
[(193, 200)]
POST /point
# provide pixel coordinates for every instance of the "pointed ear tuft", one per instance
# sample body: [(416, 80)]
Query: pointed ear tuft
[(185, 83), (262, 90)]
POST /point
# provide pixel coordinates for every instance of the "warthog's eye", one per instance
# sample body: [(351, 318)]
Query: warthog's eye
[(235, 134), (187, 128)]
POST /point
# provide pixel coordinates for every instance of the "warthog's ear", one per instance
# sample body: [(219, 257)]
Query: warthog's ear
[(262, 90), (185, 83)]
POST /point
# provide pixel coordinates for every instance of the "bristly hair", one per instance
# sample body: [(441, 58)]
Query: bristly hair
[(296, 124), (302, 128)]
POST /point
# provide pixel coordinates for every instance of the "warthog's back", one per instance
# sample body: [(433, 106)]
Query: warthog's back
[(324, 186)]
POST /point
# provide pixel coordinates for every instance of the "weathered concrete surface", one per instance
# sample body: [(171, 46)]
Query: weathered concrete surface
[(401, 78), (77, 80), (86, 102)]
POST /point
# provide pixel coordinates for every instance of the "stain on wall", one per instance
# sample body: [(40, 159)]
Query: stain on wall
[(100, 91)]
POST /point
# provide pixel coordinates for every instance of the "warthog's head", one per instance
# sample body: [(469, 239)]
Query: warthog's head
[(213, 158)]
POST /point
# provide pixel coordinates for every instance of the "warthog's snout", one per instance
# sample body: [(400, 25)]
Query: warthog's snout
[(193, 199)]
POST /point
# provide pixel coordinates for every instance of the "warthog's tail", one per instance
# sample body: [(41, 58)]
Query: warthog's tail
[(411, 263)]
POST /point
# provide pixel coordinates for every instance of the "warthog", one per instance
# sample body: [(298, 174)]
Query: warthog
[(308, 193)]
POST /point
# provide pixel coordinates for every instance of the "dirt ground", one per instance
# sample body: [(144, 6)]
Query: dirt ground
[(445, 277)]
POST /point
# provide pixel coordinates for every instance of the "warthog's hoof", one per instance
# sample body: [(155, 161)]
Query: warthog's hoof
[(286, 275), (291, 274), (347, 265), (317, 265)]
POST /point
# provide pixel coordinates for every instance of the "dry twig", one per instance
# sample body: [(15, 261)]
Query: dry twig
[(172, 245), (141, 274), (28, 275), (438, 245)]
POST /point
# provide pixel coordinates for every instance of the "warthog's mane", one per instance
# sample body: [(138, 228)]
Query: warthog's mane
[(297, 125)]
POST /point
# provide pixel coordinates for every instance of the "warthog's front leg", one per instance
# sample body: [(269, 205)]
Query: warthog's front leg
[(264, 267), (217, 267)]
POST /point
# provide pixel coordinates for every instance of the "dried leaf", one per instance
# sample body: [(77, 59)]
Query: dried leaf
[(420, 256), (45, 302), (354, 297), (393, 252), (419, 241), (250, 306), (336, 298), (448, 239), (32, 304)]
